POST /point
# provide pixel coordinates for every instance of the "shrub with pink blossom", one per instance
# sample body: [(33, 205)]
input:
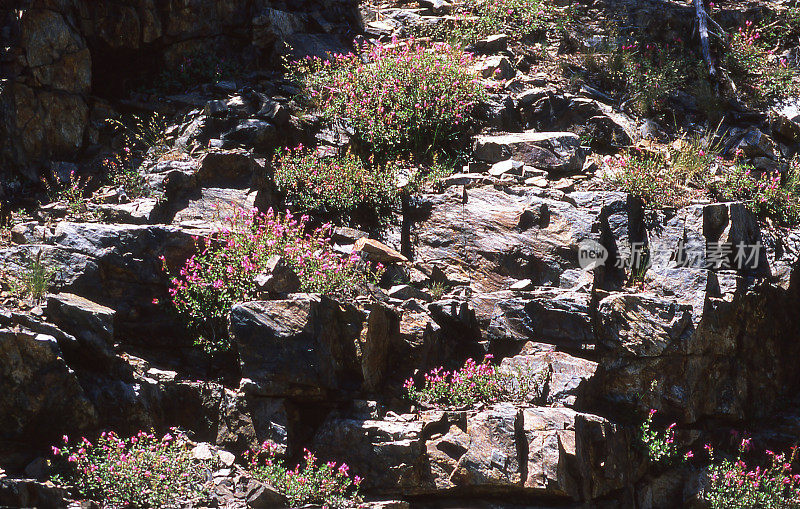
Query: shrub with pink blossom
[(224, 270), (143, 471), (335, 184), (765, 193), (400, 99), (312, 482), (477, 383), (735, 484), (753, 66), (660, 446)]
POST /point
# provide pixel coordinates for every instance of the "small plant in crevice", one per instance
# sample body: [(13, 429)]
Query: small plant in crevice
[(145, 132), (34, 281), (659, 446), (224, 270), (123, 174), (732, 483), (311, 482), (477, 383), (403, 100), (140, 472), (72, 193)]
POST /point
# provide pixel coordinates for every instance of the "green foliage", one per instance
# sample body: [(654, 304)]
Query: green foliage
[(649, 73), (336, 183), (753, 67), (142, 471), (194, 69), (401, 100), (325, 484), (735, 485), (147, 132), (476, 19), (647, 176), (659, 445), (35, 279), (228, 261), (475, 383)]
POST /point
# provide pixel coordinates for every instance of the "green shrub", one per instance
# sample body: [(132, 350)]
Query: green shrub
[(401, 100), (476, 19), (142, 471), (340, 184), (325, 484), (35, 279), (649, 73), (228, 261), (146, 132)]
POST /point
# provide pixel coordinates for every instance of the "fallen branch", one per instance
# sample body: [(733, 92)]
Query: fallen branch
[(702, 19)]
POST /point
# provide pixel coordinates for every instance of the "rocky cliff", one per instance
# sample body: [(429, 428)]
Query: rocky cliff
[(491, 260)]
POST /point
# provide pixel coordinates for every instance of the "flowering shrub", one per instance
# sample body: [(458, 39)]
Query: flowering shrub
[(313, 483), (762, 193), (475, 19), (649, 73), (732, 483), (142, 471), (660, 445), (647, 176), (476, 383), (335, 184), (122, 173), (224, 270), (755, 68), (400, 99)]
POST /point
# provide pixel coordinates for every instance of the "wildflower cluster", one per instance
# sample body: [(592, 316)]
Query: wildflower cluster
[(477, 383), (732, 483), (340, 184), (326, 484), (399, 99), (762, 192), (225, 268), (474, 19), (756, 69), (660, 445), (123, 174), (142, 471)]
